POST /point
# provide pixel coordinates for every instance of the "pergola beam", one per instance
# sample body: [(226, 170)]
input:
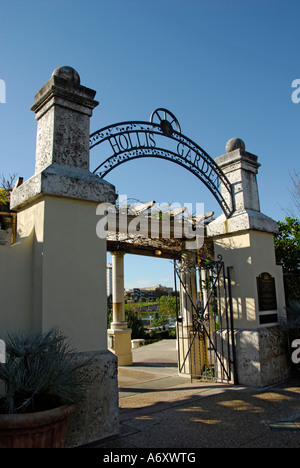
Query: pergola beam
[(143, 250), (168, 240), (137, 210)]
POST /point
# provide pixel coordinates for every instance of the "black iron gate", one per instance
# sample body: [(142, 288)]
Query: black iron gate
[(205, 334)]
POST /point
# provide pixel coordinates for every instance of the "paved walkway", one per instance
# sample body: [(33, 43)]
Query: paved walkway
[(161, 410)]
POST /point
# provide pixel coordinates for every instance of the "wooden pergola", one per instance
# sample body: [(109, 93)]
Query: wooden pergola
[(165, 243)]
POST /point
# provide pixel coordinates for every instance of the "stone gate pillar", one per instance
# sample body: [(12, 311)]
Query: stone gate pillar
[(119, 335), (246, 243), (57, 210)]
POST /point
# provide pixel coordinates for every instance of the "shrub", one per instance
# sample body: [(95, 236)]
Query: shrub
[(40, 372)]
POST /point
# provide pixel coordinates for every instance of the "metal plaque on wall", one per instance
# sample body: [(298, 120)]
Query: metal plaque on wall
[(266, 292)]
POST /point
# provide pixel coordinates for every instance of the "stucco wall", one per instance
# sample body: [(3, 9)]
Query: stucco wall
[(43, 282), (16, 286), (248, 254)]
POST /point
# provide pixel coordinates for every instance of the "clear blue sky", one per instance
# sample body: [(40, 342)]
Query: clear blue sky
[(223, 67)]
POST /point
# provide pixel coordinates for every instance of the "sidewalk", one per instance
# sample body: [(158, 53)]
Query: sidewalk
[(159, 409)]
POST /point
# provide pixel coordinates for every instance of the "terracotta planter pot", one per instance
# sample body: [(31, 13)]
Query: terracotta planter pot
[(44, 429)]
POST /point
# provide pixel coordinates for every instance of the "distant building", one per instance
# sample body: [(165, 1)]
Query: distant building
[(149, 293), (158, 290)]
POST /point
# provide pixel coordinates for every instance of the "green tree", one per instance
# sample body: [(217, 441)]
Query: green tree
[(131, 317), (287, 244), (6, 186), (167, 307), (4, 196), (159, 320), (133, 321), (287, 248)]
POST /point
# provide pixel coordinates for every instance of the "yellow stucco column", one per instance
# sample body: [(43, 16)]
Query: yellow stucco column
[(119, 335), (60, 260), (245, 242), (58, 204)]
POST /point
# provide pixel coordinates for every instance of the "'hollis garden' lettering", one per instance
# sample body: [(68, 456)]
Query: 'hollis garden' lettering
[(128, 141)]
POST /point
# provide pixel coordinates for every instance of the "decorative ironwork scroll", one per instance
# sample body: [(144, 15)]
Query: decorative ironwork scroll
[(130, 140)]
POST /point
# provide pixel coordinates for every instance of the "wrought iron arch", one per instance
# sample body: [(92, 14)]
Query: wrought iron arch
[(138, 139)]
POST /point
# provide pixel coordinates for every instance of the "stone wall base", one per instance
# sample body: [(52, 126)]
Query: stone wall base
[(262, 356), (97, 416), (119, 343)]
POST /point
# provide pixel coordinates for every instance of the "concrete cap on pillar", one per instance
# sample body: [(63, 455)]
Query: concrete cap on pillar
[(67, 73), (234, 144), (63, 108)]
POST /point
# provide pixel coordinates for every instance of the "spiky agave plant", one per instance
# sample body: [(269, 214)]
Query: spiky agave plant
[(40, 372)]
